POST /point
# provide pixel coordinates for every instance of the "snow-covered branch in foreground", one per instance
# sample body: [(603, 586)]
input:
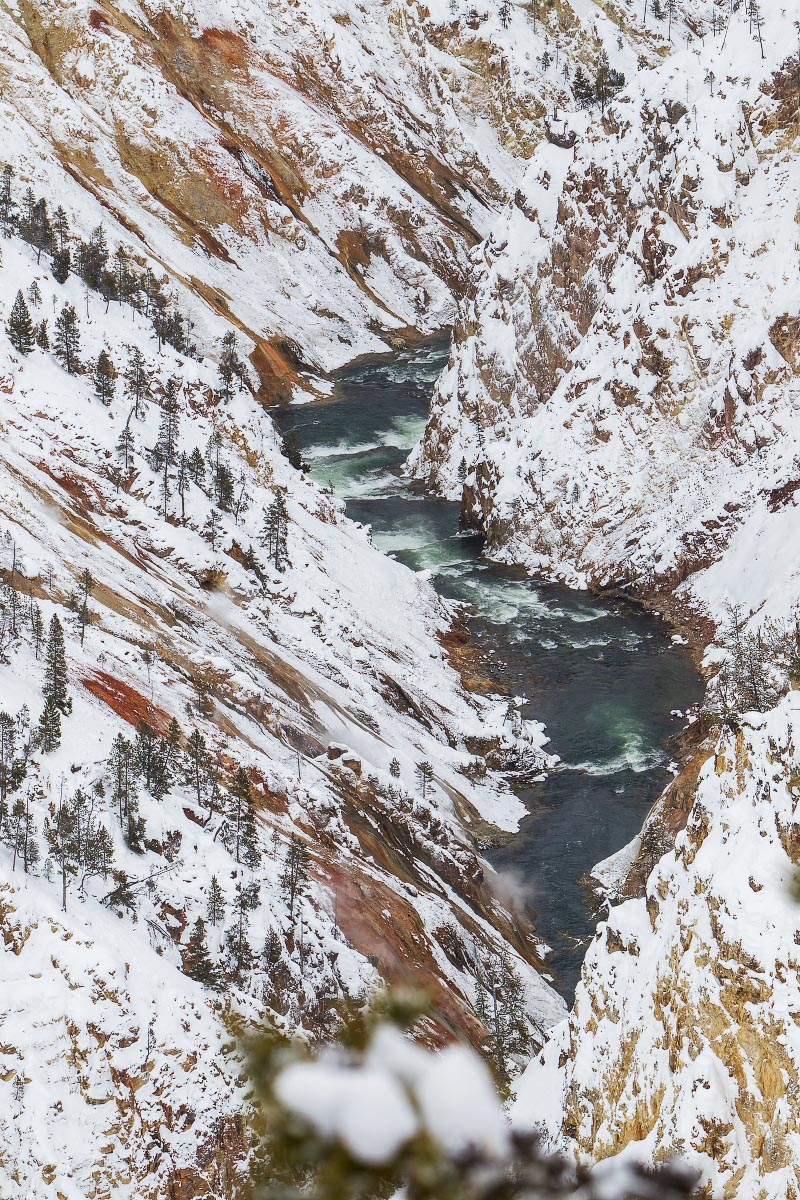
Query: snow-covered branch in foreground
[(384, 1113)]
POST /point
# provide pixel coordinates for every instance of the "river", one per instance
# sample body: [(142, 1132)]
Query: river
[(604, 677)]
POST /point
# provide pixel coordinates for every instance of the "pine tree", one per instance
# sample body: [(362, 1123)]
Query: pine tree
[(123, 770), (137, 379), (42, 336), (582, 89), (500, 1005), (7, 205), (67, 340), (60, 231), (197, 962), (274, 532), (85, 586), (125, 448), (54, 687), (19, 326), (198, 766), (182, 480), (231, 366), (34, 295), (197, 468), (20, 835), (169, 427), (462, 471), (212, 528), (93, 257), (215, 902), (394, 768), (37, 629), (273, 950), (424, 773), (237, 937), (12, 768), (63, 845), (41, 231), (608, 81), (242, 827), (153, 760), (104, 378), (504, 12), (62, 264), (293, 879), (48, 731)]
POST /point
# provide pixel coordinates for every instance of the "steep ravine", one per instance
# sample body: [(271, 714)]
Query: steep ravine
[(605, 677)]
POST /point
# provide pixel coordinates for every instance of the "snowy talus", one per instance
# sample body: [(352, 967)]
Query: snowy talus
[(307, 177)]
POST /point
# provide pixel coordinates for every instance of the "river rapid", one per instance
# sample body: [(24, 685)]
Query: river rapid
[(605, 678)]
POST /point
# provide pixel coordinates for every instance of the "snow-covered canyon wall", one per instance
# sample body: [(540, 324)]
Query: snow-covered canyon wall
[(214, 815), (621, 409)]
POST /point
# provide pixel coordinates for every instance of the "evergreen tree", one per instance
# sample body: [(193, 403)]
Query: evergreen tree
[(37, 629), (54, 687), (215, 902), (237, 937), (48, 731), (424, 773), (62, 263), (125, 448), (20, 835), (212, 529), (273, 950), (104, 378), (40, 233), (63, 845), (182, 479), (231, 367), (242, 828), (197, 962), (34, 295), (501, 1007), (42, 336), (124, 773), (60, 232), (169, 427), (198, 769), (274, 532), (7, 204), (394, 768), (293, 879), (608, 81), (197, 468), (137, 379), (67, 340), (85, 586), (19, 326), (153, 760), (582, 89), (92, 258), (504, 12), (12, 768)]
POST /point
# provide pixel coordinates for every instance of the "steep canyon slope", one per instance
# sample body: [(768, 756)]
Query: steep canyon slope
[(621, 410), (251, 687)]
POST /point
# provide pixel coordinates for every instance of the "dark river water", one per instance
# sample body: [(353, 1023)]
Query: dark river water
[(604, 677)]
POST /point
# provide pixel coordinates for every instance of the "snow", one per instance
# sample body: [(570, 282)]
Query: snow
[(374, 1108), (365, 1109)]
